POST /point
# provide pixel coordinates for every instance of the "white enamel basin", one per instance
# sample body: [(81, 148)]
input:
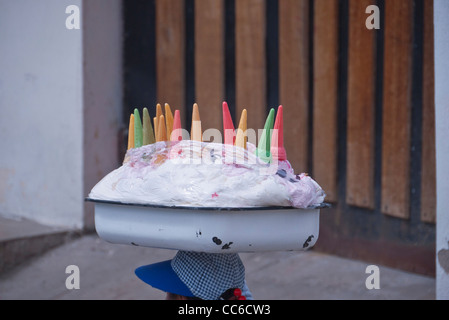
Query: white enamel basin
[(214, 230)]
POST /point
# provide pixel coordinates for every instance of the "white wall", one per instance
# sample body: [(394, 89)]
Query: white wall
[(40, 113), (441, 14), (60, 99), (102, 42)]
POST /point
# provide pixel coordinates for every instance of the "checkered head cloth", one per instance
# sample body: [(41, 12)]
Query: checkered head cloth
[(208, 275)]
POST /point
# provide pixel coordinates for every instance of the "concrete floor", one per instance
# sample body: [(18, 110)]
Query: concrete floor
[(107, 272)]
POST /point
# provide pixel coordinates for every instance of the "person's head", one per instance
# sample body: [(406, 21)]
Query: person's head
[(195, 275)]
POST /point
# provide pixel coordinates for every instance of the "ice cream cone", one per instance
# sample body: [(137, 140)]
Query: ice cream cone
[(228, 126), (156, 120), (277, 139), (138, 137), (147, 129), (131, 132), (168, 119), (195, 132), (162, 134), (263, 148), (158, 111), (241, 137), (176, 134)]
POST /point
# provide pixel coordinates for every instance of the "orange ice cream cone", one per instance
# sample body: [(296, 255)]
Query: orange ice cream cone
[(168, 119), (131, 132), (162, 134), (241, 137), (195, 132)]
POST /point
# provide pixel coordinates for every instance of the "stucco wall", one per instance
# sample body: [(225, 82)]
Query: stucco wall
[(41, 115), (103, 91), (60, 106), (441, 11)]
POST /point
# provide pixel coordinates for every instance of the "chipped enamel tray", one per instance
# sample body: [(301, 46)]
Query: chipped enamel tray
[(213, 230)]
